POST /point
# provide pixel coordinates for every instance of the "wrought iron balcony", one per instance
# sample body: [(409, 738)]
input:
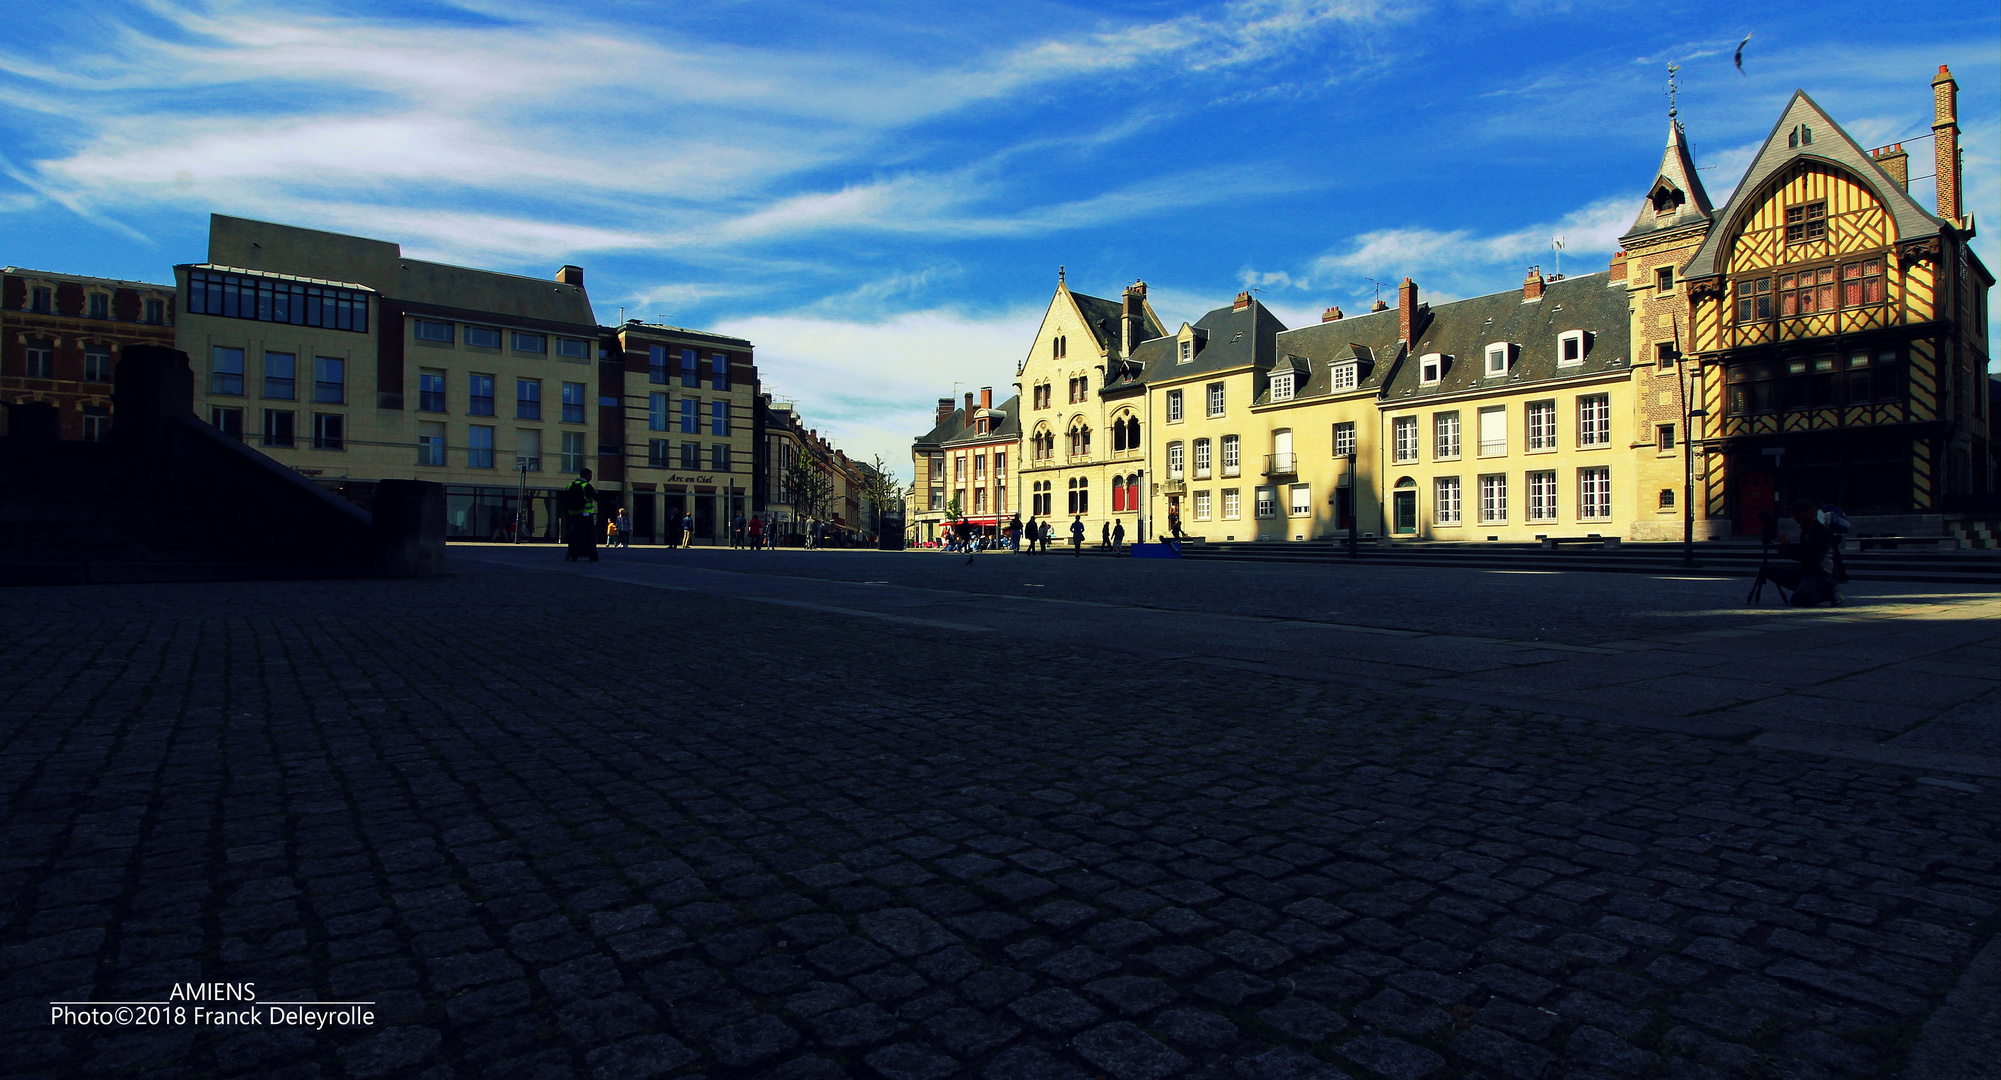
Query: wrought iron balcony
[(1282, 464)]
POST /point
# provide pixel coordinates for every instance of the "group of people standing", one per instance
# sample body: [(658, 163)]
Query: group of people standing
[(1031, 537)]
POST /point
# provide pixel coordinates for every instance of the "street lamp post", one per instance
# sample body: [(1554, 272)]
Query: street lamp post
[(1354, 545), (521, 499)]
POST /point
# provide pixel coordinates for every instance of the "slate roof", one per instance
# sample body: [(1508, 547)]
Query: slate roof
[(1678, 173), (1371, 340), (1228, 339), (959, 428), (1463, 329), (1831, 145)]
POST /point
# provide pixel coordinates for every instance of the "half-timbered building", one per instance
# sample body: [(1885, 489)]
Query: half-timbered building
[(1840, 331)]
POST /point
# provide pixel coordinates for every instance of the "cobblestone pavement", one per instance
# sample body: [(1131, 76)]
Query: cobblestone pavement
[(555, 826)]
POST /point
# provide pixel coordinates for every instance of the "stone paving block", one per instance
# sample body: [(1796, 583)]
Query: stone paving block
[(1128, 1053), (1391, 1057)]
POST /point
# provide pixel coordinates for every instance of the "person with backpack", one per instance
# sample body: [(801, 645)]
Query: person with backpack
[(1812, 577)]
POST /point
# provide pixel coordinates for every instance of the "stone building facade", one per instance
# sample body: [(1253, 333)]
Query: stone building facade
[(61, 336)]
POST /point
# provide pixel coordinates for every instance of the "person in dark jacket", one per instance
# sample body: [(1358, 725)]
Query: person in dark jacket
[(580, 508), (1811, 578)]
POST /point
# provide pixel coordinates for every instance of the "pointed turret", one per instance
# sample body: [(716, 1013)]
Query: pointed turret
[(1676, 197)]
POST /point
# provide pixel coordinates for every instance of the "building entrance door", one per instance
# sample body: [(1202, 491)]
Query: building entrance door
[(705, 518), (1406, 512), (1757, 490), (642, 518)]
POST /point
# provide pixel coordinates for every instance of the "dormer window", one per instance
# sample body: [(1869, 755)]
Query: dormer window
[(1344, 376), (1430, 369), (1187, 352), (1498, 355), (1666, 199), (1570, 347), (1281, 387)]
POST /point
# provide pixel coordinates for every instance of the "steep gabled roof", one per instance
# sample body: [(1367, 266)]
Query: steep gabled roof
[(1235, 337), (1830, 145), (1372, 341), (1677, 186), (1007, 413)]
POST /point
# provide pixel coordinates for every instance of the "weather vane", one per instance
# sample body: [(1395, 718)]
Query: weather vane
[(1672, 68)]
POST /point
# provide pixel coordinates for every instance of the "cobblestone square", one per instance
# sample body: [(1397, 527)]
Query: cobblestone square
[(858, 814)]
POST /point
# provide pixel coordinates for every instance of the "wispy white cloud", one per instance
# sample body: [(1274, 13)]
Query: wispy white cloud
[(1588, 231), (871, 386)]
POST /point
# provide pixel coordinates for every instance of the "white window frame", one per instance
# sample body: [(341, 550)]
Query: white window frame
[(1266, 501), (1564, 347), (1539, 425), (1233, 504), (1202, 505), (1493, 498), (1177, 456), (1233, 455), (1204, 450), (1445, 436), (1344, 377), (1299, 500), (1594, 493), (1347, 428), (1542, 495), (1498, 353), (1445, 500), (1217, 399), (1186, 352), (1174, 406), (1430, 369), (1594, 420), (1404, 428), (1281, 387)]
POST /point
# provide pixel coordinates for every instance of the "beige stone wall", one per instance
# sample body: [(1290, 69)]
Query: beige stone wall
[(1084, 359)]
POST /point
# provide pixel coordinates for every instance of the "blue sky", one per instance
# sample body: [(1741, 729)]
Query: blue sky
[(878, 195)]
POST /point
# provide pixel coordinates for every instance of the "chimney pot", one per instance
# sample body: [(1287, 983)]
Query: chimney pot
[(1243, 301), (1332, 314), (1618, 267), (1378, 306), (571, 275), (944, 409)]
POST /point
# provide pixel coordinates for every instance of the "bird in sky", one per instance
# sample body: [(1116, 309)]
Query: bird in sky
[(1740, 53)]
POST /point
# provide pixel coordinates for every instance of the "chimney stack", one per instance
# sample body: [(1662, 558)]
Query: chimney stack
[(571, 275), (1407, 310), (986, 397), (1895, 161), (944, 409), (1532, 285), (1378, 306), (969, 406), (1618, 272), (1332, 314), (1945, 145), (1243, 301), (1132, 318)]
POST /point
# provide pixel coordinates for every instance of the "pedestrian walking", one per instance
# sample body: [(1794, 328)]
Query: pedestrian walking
[(1014, 533), (1033, 534), (580, 507), (1118, 537), (755, 535), (1077, 534), (1106, 540), (624, 529), (1048, 531)]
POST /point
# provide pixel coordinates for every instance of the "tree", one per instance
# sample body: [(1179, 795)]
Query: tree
[(808, 487), (881, 488)]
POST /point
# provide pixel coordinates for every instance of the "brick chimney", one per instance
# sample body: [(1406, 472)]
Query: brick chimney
[(1945, 144), (1618, 272), (1132, 318), (571, 275), (1243, 301), (1896, 161), (1406, 309), (1532, 285), (969, 406), (944, 409), (1378, 306), (1332, 314), (986, 397)]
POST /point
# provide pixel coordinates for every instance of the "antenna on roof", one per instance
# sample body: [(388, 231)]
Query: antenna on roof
[(1380, 286), (1557, 244)]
